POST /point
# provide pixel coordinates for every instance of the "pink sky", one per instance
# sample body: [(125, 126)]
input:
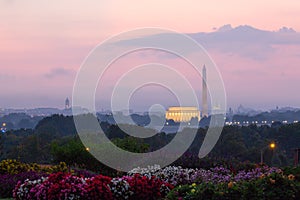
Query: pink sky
[(43, 43)]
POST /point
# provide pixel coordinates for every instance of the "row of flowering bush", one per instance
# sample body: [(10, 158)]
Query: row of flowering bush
[(12, 171), (12, 166), (67, 186), (152, 182), (178, 175), (9, 181), (274, 187)]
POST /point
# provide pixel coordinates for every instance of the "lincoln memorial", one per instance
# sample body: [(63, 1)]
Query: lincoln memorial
[(182, 114)]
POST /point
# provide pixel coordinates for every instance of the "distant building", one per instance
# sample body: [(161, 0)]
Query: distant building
[(67, 103), (204, 93), (186, 114), (229, 115), (182, 114)]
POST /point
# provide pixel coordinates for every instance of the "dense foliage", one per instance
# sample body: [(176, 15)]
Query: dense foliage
[(274, 186), (236, 143)]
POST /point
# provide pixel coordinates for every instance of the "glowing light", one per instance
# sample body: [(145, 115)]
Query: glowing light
[(88, 149), (182, 114), (272, 145)]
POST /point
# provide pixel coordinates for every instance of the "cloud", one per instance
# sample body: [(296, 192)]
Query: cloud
[(247, 41), (59, 72), (244, 40), (225, 28)]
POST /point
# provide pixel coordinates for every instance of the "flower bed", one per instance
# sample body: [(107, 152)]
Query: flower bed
[(12, 171), (9, 181), (11, 166), (66, 186), (179, 176), (275, 186), (148, 183)]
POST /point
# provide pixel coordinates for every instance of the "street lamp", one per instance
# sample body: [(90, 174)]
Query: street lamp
[(3, 128), (272, 146)]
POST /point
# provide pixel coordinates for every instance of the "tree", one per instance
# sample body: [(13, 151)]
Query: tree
[(131, 144)]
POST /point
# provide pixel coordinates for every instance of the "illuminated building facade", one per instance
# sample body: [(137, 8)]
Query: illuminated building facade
[(182, 114)]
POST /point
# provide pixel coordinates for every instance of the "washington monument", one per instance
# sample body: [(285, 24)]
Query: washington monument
[(204, 94)]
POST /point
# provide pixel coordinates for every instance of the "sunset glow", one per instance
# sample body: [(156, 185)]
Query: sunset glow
[(44, 43)]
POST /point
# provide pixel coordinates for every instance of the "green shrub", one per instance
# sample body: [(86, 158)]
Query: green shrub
[(61, 167), (12, 167), (273, 187), (278, 187), (292, 170)]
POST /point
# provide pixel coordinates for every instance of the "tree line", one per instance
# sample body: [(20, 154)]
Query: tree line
[(55, 139)]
